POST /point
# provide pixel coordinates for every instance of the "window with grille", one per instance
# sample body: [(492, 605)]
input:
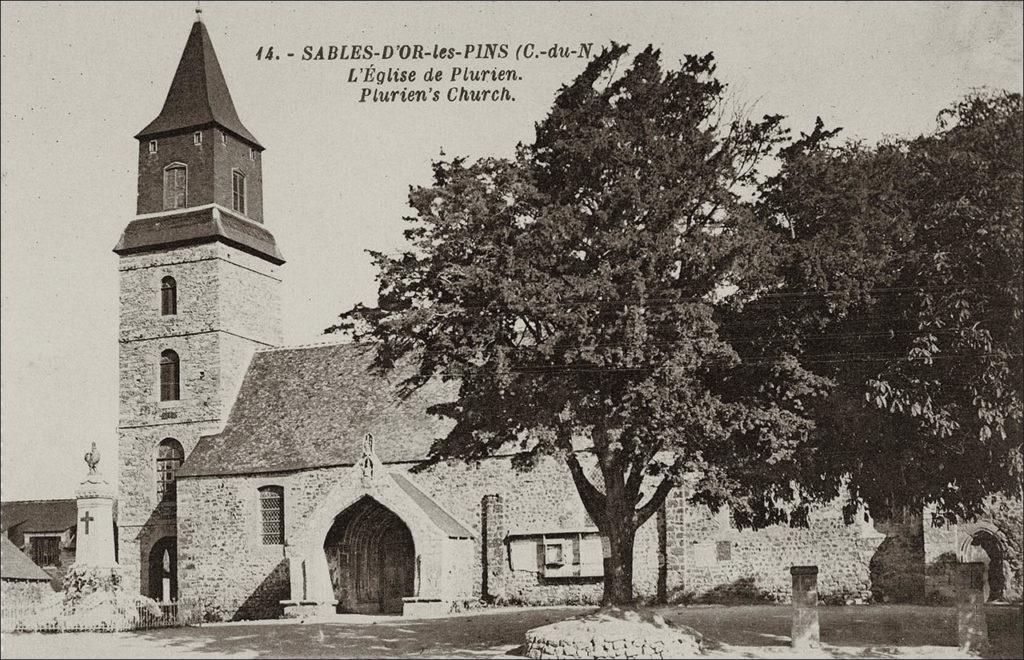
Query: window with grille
[(45, 550), (168, 296), (238, 191), (168, 459), (170, 389), (175, 186), (272, 511)]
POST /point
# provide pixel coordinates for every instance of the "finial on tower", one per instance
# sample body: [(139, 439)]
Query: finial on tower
[(199, 13)]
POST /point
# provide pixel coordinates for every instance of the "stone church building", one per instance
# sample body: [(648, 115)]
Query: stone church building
[(258, 478)]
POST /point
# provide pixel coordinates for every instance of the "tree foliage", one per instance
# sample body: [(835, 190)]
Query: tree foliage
[(575, 292), (901, 280)]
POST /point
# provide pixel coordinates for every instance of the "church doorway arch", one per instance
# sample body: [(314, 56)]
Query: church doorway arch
[(163, 570), (985, 547), (371, 558)]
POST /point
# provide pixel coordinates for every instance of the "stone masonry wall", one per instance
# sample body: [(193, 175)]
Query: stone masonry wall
[(227, 302), (543, 498), (686, 553), (709, 560), (222, 559)]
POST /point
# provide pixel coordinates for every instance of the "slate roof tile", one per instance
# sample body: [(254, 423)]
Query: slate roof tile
[(199, 94), (199, 225), (16, 565), (307, 407), (39, 515)]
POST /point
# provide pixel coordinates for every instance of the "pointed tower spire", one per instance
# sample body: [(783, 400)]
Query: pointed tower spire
[(199, 94)]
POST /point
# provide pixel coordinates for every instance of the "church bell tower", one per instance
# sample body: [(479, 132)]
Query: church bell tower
[(199, 293)]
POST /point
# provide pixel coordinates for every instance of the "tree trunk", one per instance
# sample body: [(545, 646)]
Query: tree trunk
[(618, 568)]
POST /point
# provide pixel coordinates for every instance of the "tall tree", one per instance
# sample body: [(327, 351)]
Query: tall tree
[(902, 281), (576, 293)]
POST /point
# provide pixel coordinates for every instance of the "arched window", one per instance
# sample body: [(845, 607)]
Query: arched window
[(175, 186), (168, 459), (168, 296), (272, 513), (169, 376), (238, 191)]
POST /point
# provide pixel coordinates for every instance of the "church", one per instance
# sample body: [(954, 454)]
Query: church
[(263, 480)]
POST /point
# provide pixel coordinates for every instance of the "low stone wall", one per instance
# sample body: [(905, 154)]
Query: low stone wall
[(16, 593), (613, 634)]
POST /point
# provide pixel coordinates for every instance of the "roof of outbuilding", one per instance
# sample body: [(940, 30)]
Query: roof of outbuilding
[(199, 94), (16, 565), (198, 225), (38, 515), (308, 407)]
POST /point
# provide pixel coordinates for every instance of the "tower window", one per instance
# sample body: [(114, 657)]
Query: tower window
[(238, 191), (170, 389), (168, 296), (175, 186), (272, 515), (152, 146), (252, 153), (223, 137), (197, 138), (168, 459)]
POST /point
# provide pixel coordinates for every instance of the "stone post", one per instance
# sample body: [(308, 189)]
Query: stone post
[(95, 532), (971, 625), (805, 633), (493, 550)]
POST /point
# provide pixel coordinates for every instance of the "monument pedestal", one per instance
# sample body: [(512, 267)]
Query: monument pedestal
[(95, 535)]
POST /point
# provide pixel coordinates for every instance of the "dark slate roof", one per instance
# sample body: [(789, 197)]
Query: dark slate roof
[(201, 225), (199, 94), (15, 564), (309, 407), (38, 515), (444, 520)]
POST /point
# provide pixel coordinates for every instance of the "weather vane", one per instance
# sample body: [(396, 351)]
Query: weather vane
[(92, 458)]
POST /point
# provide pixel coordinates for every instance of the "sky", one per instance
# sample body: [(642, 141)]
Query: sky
[(80, 79)]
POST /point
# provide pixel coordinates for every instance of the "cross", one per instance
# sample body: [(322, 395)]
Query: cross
[(87, 519)]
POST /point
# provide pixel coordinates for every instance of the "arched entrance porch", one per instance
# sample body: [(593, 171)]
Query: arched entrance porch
[(371, 558)]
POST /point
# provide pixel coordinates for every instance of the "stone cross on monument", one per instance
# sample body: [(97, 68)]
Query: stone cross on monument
[(95, 542)]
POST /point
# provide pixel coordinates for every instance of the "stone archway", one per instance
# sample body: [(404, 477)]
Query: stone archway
[(985, 545), (371, 558), (311, 579), (163, 570)]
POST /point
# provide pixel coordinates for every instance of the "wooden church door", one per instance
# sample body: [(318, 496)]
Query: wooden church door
[(397, 567)]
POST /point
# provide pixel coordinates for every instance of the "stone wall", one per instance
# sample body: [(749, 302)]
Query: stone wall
[(222, 561), (222, 557), (540, 500), (22, 593), (227, 309), (709, 560)]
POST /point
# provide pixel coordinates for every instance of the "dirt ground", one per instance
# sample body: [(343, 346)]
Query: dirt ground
[(760, 631)]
